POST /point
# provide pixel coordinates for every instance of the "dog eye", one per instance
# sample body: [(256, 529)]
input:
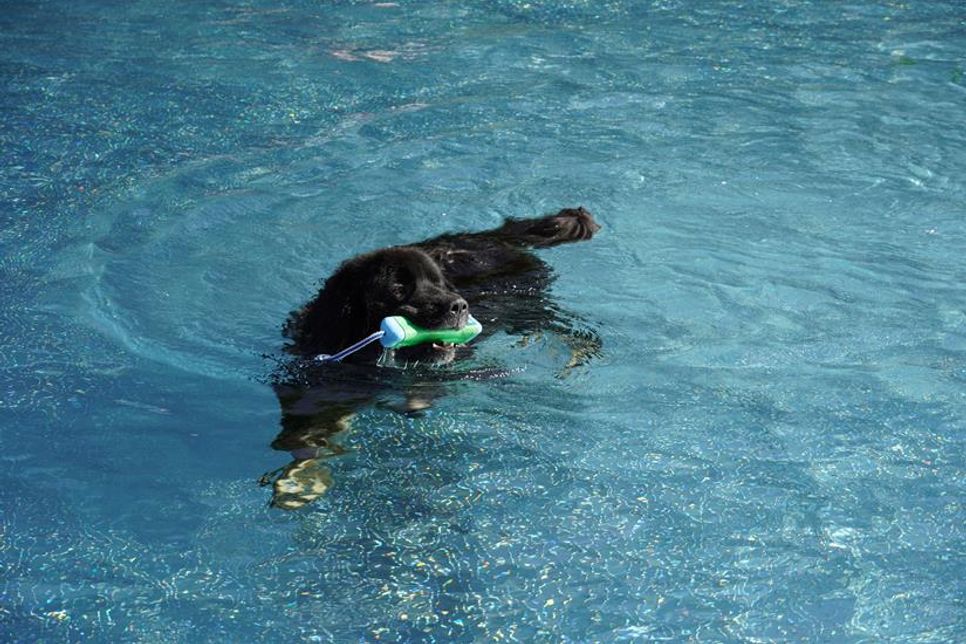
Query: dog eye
[(398, 290)]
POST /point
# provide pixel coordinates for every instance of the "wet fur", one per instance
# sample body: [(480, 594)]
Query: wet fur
[(491, 274)]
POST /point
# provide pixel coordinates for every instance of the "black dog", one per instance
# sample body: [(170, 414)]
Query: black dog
[(435, 284)]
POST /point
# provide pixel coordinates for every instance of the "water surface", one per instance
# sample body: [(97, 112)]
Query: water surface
[(770, 449)]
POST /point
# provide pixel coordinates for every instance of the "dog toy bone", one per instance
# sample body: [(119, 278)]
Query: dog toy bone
[(399, 332), (396, 332)]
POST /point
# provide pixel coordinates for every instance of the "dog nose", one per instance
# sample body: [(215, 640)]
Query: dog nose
[(459, 306), (459, 311)]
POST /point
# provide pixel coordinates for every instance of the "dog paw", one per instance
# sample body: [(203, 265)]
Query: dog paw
[(300, 483)]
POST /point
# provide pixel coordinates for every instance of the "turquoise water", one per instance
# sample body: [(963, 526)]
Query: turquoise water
[(770, 448)]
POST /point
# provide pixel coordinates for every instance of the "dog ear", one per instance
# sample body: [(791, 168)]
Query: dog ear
[(336, 317)]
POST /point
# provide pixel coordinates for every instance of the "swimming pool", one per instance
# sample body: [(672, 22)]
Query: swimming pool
[(771, 447)]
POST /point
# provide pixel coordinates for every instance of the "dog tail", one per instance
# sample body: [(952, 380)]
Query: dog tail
[(568, 225)]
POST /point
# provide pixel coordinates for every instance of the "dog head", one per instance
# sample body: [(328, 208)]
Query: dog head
[(394, 281)]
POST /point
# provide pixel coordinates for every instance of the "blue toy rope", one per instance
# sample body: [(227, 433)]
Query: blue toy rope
[(335, 357)]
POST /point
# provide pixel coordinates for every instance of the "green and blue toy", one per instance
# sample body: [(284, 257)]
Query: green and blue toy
[(399, 332), (396, 332)]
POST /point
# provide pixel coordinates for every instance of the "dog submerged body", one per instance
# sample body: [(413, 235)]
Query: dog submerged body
[(435, 284)]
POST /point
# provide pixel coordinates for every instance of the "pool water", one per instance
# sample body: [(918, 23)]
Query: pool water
[(769, 449)]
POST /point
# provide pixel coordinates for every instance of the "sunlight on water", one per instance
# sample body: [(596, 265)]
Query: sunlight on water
[(770, 447)]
